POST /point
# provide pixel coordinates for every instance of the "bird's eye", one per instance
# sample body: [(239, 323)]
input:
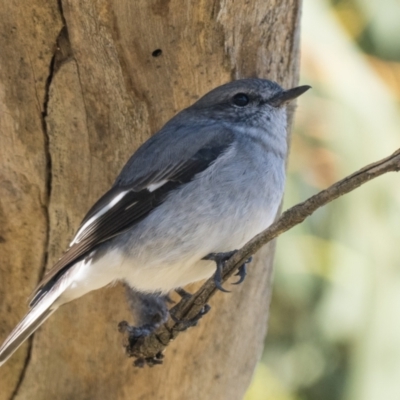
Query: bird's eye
[(240, 100)]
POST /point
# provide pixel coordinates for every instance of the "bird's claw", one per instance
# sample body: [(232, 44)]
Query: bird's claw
[(141, 362), (220, 259), (218, 277), (242, 272), (183, 293), (185, 324)]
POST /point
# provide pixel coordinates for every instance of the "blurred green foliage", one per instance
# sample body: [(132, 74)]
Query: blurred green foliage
[(334, 328)]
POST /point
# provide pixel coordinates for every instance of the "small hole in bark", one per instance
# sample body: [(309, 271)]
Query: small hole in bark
[(156, 53)]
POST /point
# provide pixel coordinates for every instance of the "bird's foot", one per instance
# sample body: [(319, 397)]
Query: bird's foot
[(183, 293), (141, 362), (242, 271), (135, 333), (220, 259), (182, 325)]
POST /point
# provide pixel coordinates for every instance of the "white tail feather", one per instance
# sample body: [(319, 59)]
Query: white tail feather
[(33, 319), (23, 330)]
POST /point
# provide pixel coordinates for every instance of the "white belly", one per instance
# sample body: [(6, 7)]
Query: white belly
[(167, 258)]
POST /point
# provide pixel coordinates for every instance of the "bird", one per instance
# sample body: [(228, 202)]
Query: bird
[(206, 183)]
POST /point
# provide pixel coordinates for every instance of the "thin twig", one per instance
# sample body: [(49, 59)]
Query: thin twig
[(149, 349)]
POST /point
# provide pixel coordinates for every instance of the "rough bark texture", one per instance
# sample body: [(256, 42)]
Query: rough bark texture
[(81, 87)]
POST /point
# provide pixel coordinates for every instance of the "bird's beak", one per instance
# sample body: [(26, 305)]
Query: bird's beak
[(285, 96)]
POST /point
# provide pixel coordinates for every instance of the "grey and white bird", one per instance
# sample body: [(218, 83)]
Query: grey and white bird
[(207, 182)]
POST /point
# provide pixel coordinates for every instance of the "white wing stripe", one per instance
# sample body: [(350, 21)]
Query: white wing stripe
[(93, 219), (131, 205), (155, 186)]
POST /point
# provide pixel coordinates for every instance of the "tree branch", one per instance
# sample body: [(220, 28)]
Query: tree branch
[(149, 349)]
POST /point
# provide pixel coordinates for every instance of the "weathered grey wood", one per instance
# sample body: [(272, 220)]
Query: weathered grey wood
[(106, 94)]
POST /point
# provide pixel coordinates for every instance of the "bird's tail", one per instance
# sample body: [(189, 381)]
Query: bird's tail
[(32, 320)]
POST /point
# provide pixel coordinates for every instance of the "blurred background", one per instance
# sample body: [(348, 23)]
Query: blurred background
[(334, 329)]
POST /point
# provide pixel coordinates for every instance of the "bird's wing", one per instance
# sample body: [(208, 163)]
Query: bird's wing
[(144, 183)]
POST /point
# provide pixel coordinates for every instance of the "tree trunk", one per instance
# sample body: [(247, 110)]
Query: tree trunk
[(82, 85)]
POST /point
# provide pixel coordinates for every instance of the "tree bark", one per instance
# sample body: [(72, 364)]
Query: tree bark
[(81, 87)]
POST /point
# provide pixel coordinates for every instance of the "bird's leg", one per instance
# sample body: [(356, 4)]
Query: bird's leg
[(149, 310), (134, 332), (220, 259), (135, 336)]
